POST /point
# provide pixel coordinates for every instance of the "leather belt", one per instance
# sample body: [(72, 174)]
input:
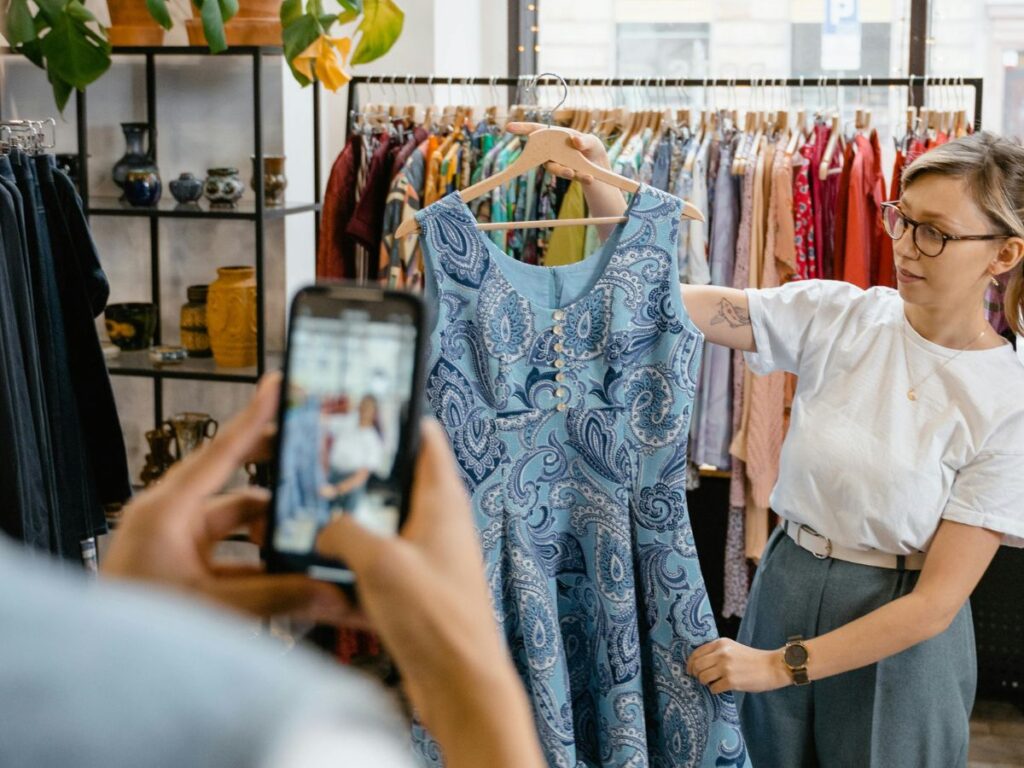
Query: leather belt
[(822, 548)]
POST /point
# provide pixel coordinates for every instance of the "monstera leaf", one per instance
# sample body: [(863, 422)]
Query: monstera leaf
[(63, 37)]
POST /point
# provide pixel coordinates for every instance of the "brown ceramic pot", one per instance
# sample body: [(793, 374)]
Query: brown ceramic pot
[(231, 317), (258, 22), (131, 25)]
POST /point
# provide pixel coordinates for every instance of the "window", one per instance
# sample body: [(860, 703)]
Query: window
[(654, 50)]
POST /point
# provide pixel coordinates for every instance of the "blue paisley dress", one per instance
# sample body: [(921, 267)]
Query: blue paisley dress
[(566, 393)]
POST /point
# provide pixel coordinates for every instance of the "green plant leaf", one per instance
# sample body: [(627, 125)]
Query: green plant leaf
[(33, 51), (291, 10), (18, 27), (297, 37), (346, 16), (51, 9), (380, 27), (353, 7), (79, 12), (61, 91), (213, 24), (228, 9), (71, 55), (158, 10)]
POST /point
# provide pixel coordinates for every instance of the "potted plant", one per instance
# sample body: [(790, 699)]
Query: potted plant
[(68, 42)]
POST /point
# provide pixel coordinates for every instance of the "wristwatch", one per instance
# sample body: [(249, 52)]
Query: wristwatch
[(795, 657)]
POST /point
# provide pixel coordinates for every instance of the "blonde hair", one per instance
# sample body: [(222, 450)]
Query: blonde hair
[(993, 168)]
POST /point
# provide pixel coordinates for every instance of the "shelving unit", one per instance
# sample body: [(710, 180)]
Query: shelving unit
[(138, 364)]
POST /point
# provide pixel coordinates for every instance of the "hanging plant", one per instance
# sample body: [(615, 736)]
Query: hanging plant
[(313, 53), (63, 38)]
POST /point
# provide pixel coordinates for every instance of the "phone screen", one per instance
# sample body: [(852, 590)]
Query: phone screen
[(345, 432)]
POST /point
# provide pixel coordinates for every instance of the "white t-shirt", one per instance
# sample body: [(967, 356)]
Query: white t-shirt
[(861, 463), (354, 447)]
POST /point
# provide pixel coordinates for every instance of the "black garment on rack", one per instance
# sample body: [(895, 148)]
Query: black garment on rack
[(22, 308), (84, 290), (24, 511), (79, 510)]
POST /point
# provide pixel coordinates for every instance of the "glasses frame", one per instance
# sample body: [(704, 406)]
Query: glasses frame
[(907, 221)]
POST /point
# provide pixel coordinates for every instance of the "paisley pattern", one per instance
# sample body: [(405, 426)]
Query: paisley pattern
[(569, 426)]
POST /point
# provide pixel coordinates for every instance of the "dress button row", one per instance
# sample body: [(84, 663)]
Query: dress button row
[(558, 330), (559, 315), (559, 347), (561, 407), (559, 363), (559, 377)]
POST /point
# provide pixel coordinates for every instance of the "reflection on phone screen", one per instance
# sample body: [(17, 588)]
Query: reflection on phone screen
[(350, 378)]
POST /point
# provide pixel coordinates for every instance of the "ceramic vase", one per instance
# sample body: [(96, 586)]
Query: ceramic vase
[(161, 455), (195, 336), (274, 180), (231, 317), (223, 186), (135, 158), (186, 188), (143, 188), (190, 431), (131, 326)]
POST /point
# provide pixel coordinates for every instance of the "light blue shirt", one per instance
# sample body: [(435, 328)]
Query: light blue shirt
[(96, 674)]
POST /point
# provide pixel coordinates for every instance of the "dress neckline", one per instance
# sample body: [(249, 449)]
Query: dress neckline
[(507, 266)]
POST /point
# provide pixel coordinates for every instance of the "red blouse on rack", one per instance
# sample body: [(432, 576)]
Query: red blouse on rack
[(863, 236)]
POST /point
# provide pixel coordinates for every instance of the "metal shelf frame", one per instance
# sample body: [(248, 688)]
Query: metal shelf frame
[(258, 213)]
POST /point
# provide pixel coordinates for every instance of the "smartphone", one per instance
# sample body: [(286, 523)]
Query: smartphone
[(349, 420)]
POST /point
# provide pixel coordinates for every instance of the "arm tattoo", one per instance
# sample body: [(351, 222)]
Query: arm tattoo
[(730, 313)]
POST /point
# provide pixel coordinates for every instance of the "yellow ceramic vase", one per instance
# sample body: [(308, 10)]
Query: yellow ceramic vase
[(231, 317)]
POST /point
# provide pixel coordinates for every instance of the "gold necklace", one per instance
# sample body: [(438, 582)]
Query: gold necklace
[(912, 392)]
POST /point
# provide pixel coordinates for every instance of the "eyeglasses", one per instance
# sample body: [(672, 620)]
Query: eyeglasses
[(928, 238)]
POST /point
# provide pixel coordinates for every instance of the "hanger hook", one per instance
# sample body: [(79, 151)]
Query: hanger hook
[(565, 91)]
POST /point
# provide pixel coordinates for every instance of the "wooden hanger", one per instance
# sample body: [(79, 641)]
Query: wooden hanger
[(544, 146)]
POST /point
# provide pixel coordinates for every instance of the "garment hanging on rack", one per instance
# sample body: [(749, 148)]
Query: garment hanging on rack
[(863, 234), (813, 239), (566, 395), (70, 433)]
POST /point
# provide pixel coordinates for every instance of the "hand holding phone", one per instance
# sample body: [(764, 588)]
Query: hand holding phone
[(348, 420)]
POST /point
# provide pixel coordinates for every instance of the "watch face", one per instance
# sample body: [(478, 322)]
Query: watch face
[(796, 656)]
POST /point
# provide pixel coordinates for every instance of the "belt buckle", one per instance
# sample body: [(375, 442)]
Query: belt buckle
[(812, 532)]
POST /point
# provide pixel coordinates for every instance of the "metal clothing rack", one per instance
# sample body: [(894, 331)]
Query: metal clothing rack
[(914, 84)]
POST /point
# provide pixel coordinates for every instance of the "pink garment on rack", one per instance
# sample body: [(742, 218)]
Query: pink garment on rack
[(766, 394)]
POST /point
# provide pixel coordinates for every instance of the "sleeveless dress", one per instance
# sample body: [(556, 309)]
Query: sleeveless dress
[(566, 393)]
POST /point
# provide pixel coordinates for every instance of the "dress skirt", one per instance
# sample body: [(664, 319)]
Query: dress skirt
[(911, 709)]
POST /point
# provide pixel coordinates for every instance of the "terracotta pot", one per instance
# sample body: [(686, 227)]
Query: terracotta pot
[(231, 317), (258, 22), (131, 24)]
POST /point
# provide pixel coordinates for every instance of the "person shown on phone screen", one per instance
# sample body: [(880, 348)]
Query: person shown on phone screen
[(354, 448)]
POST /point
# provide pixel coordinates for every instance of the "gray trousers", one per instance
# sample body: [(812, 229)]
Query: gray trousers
[(911, 709)]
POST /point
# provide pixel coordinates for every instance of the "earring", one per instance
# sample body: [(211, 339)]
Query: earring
[(995, 281)]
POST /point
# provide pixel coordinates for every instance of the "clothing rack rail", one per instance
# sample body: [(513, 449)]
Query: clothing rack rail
[(916, 84)]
